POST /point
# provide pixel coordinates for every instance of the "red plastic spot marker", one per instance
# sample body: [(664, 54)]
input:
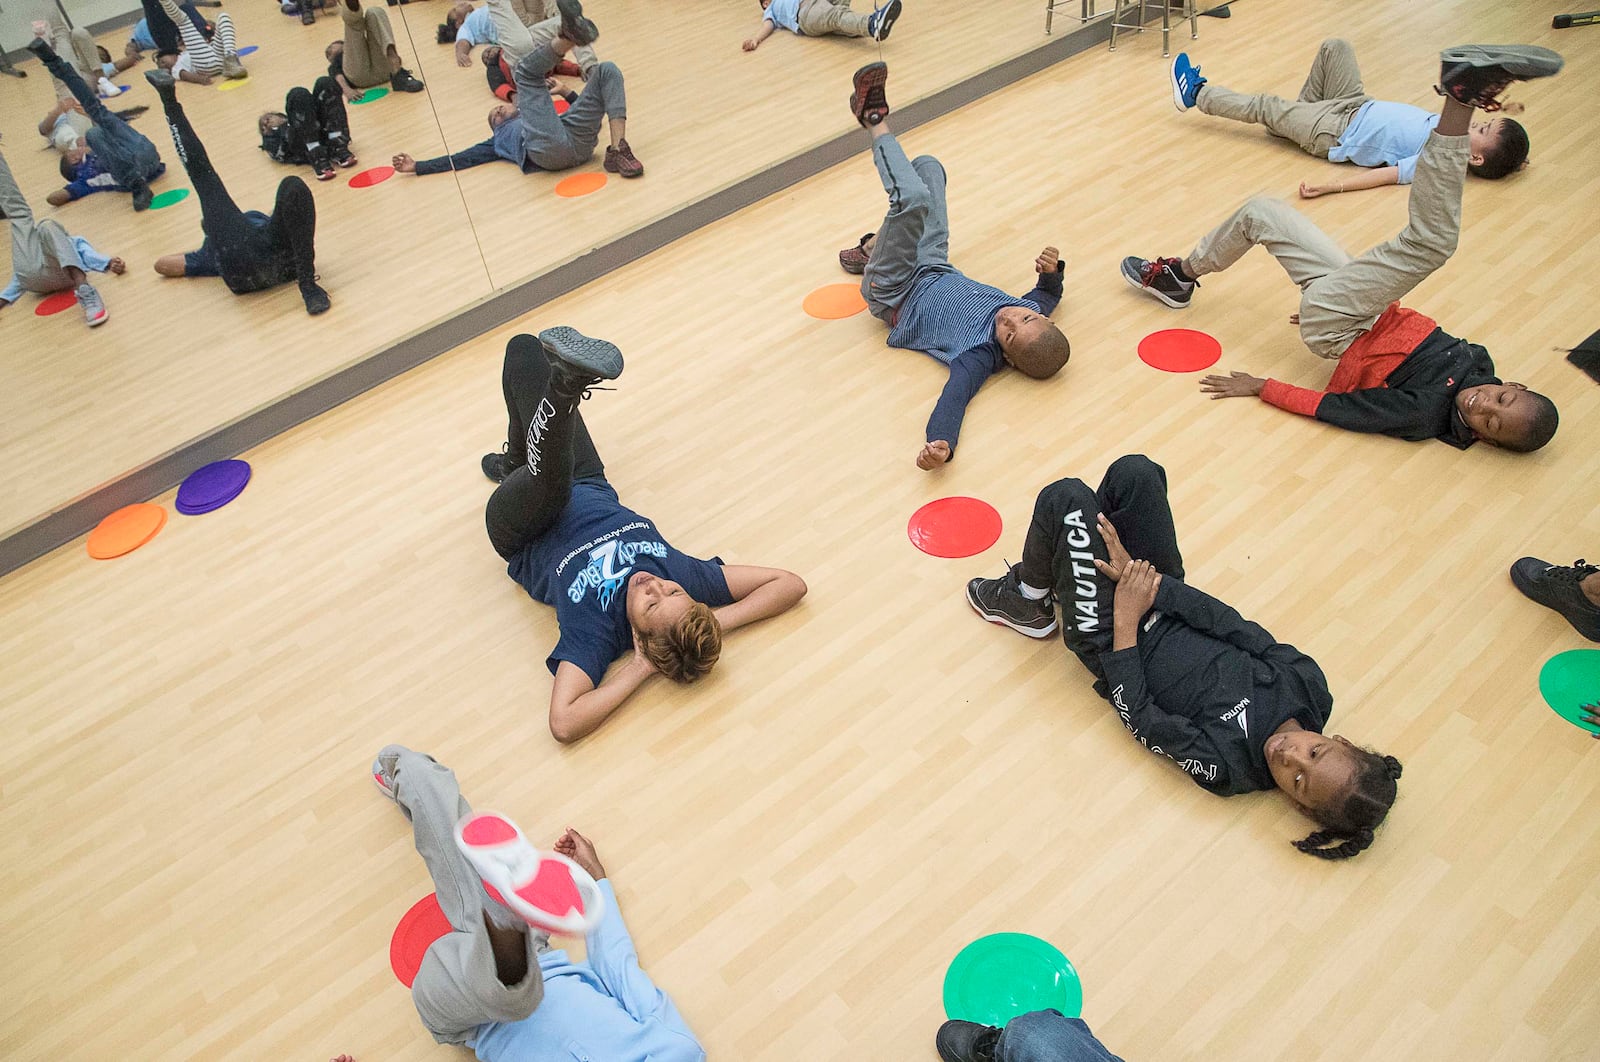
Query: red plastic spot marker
[(368, 178), (832, 302), (418, 929), (580, 184), (488, 829), (562, 106), (1179, 350), (552, 889), (954, 527), (126, 530), (61, 300)]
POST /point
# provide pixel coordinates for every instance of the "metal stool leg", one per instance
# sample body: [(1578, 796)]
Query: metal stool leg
[(1194, 20), (1166, 26)]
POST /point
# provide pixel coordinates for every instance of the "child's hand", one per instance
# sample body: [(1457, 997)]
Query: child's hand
[(1310, 190), (1591, 719), (404, 163), (578, 848), (1136, 593), (933, 455), (750, 44), (1235, 385), (1512, 108), (1046, 262), (1115, 550)]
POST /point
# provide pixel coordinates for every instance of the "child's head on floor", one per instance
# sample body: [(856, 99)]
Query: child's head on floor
[(1032, 344), (1348, 790), (1508, 415), (1498, 147)]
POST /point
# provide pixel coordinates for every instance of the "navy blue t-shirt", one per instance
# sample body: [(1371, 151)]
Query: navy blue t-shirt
[(582, 565)]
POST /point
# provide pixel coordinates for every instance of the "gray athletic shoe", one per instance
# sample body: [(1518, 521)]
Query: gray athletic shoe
[(232, 69), (579, 362), (1476, 74), (574, 27), (94, 307)]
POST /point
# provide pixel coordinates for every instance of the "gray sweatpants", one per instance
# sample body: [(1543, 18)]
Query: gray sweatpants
[(1341, 297), (819, 18), (367, 40), (1328, 101), (915, 233), (457, 988), (518, 31), (561, 141)]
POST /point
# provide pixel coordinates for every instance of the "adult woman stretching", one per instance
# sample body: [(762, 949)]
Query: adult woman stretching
[(1191, 678), (249, 251), (611, 576)]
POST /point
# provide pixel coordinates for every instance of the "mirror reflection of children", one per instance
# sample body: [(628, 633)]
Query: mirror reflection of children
[(822, 18), (1191, 678)]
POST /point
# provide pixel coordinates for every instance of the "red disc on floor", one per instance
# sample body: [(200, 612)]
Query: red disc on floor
[(834, 301), (954, 527), (418, 929), (580, 184), (562, 106), (368, 178), (1179, 350), (61, 300), (126, 530)]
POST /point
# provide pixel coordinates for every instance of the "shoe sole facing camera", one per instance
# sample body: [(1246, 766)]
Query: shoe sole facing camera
[(1522, 61), (869, 79), (1002, 621), (593, 357), (546, 889), (1130, 273), (886, 21)]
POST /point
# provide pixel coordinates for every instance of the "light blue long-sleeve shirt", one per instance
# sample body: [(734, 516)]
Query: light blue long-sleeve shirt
[(785, 14), (478, 28), (603, 1010), (1385, 134), (92, 260)]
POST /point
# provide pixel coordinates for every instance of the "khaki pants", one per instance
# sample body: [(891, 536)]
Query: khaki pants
[(518, 36), (819, 18), (458, 987), (367, 40), (1341, 297), (1328, 101)]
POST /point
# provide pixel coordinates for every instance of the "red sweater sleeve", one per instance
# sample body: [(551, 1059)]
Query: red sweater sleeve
[(1301, 400)]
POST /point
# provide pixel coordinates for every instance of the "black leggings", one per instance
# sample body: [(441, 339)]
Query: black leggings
[(250, 256), (1063, 543), (318, 121), (547, 441)]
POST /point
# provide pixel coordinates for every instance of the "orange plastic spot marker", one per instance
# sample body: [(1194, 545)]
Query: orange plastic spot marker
[(832, 302), (580, 184), (126, 530)]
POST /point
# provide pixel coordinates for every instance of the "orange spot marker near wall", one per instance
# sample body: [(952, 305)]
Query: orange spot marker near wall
[(126, 530), (831, 302), (580, 184)]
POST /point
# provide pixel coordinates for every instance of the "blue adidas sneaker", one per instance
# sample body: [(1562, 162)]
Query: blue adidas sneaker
[(1186, 82)]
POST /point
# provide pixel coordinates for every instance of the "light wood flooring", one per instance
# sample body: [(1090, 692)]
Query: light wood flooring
[(193, 863)]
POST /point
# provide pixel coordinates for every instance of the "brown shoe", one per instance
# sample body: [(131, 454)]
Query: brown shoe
[(854, 259), (620, 160), (868, 102)]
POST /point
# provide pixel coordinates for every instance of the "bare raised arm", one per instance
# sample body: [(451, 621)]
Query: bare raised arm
[(758, 594), (578, 706)]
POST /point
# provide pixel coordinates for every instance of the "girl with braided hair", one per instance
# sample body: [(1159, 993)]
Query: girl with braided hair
[(1191, 678)]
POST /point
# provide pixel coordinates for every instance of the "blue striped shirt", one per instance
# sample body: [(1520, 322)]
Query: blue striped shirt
[(950, 316)]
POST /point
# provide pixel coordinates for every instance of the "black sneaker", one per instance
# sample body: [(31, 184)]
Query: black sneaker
[(881, 21), (1476, 74), (498, 466), (142, 195), (317, 300), (1161, 278), (868, 102), (308, 13), (966, 1041), (574, 27), (402, 81), (161, 80), (579, 362), (1556, 587), (1001, 601), (323, 167)]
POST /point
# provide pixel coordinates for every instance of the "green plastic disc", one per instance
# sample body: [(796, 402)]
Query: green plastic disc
[(168, 198), (1570, 680), (372, 94), (998, 977)]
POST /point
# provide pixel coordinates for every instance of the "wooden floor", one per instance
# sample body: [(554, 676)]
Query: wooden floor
[(180, 357), (194, 864)]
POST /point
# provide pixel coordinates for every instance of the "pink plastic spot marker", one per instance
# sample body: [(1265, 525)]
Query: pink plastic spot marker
[(487, 829), (552, 889), (833, 302), (954, 527), (368, 178), (1179, 350), (580, 184), (418, 929), (61, 300)]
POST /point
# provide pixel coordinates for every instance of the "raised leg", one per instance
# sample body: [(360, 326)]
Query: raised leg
[(1306, 252), (604, 96), (1334, 74), (893, 266)]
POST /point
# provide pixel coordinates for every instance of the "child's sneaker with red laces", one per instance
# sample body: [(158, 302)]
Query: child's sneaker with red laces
[(1476, 74), (868, 102), (1161, 278), (855, 259), (548, 890)]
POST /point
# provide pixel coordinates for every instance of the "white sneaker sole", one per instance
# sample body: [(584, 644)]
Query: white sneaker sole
[(513, 871)]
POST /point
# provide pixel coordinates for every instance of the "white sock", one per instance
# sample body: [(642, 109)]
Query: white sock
[(1032, 593)]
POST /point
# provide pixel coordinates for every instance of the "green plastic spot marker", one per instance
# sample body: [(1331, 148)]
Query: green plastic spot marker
[(1570, 680), (372, 94), (169, 197), (1004, 975)]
